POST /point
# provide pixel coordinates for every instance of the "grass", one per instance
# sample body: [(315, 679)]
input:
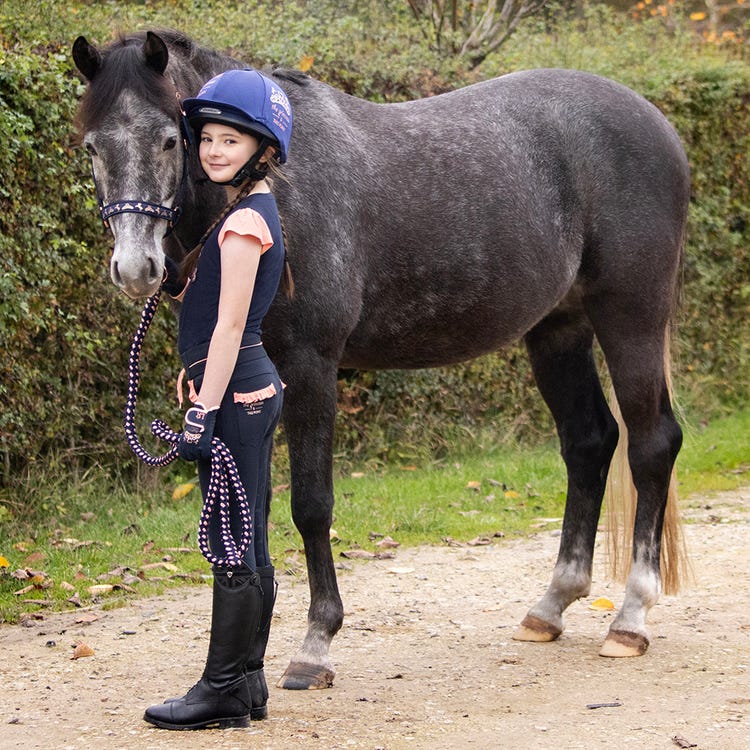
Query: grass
[(94, 532)]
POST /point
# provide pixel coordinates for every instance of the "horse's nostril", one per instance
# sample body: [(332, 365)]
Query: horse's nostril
[(115, 274), (152, 269)]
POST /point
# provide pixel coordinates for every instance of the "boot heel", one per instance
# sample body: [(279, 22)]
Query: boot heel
[(239, 721), (259, 713)]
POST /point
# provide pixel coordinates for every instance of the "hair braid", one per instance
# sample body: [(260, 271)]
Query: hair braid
[(191, 259), (287, 279)]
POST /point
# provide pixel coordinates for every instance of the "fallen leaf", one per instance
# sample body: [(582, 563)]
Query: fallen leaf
[(81, 650), (473, 486), (480, 541), (400, 571), (183, 490), (305, 63), (602, 604), (101, 588), (124, 587), (387, 543), (511, 494), (358, 554), (24, 590), (682, 742), (87, 618), (333, 534), (65, 586)]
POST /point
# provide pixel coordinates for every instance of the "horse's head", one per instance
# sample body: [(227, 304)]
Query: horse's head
[(129, 121)]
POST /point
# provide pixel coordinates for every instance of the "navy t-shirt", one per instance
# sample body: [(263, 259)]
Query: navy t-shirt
[(200, 305)]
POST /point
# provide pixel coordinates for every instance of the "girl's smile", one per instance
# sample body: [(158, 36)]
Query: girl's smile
[(224, 151)]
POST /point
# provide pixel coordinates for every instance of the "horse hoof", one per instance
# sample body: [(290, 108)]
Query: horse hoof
[(301, 676), (621, 643), (535, 630)]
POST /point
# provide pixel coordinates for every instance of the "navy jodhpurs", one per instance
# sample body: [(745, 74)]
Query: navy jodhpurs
[(246, 421)]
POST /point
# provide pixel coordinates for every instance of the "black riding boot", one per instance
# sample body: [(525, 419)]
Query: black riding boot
[(221, 697), (256, 680)]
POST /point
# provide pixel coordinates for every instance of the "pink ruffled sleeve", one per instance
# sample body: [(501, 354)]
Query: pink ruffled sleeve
[(248, 223)]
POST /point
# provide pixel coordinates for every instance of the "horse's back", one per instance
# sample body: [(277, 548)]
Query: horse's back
[(477, 209)]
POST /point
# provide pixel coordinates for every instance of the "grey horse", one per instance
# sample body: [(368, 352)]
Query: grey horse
[(547, 204)]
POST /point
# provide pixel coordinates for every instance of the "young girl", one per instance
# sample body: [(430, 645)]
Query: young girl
[(242, 121)]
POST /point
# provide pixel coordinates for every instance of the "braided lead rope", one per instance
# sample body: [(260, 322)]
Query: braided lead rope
[(225, 478)]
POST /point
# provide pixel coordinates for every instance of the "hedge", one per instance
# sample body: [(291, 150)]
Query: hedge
[(64, 330)]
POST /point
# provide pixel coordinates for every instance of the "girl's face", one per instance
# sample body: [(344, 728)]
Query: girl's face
[(224, 151)]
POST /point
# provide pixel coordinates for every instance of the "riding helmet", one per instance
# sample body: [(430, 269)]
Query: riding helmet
[(247, 100)]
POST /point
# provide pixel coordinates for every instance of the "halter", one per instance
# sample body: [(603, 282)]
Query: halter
[(225, 478), (168, 213)]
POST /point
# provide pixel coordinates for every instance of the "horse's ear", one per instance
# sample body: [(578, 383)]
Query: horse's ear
[(156, 52), (86, 57)]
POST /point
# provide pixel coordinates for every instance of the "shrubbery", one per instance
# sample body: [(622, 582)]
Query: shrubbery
[(64, 331)]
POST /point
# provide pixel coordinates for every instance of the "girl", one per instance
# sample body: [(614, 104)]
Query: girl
[(243, 122)]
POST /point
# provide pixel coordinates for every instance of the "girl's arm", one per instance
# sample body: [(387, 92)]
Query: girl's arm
[(240, 255)]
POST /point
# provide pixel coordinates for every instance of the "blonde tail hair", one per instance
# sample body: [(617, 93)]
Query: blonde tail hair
[(621, 497)]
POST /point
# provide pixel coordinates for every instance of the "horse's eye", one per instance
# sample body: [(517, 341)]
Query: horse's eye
[(90, 148), (170, 143)]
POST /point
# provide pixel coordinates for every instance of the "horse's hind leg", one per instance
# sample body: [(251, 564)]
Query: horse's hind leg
[(636, 364), (564, 368)]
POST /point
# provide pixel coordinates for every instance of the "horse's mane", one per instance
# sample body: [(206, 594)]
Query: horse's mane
[(292, 75), (123, 67)]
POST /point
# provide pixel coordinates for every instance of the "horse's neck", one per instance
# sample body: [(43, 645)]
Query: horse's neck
[(190, 73)]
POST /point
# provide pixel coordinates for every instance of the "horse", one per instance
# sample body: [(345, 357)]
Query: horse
[(548, 205)]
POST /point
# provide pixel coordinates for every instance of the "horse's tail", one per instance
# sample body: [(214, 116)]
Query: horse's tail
[(620, 501)]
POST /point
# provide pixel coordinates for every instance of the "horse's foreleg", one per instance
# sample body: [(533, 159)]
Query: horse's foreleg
[(309, 414), (560, 352)]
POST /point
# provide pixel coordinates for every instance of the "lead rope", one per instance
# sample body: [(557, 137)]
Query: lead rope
[(225, 478)]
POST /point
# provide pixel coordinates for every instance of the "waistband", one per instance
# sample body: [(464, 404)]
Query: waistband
[(194, 354), (194, 368)]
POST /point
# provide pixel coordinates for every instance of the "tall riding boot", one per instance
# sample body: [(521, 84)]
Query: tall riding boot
[(221, 697), (256, 679)]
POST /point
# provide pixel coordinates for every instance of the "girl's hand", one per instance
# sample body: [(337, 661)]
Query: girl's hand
[(197, 433)]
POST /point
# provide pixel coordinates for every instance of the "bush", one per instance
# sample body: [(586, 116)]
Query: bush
[(65, 331)]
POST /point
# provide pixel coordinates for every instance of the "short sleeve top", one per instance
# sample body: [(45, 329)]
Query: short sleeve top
[(256, 216)]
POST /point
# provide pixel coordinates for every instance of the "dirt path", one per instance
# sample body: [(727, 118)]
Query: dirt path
[(425, 660)]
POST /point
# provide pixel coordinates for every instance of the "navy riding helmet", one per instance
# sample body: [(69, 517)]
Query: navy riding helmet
[(249, 101)]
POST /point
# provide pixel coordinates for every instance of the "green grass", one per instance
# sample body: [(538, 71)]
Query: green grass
[(95, 531), (715, 455)]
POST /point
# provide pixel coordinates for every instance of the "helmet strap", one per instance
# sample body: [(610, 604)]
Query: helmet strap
[(252, 169)]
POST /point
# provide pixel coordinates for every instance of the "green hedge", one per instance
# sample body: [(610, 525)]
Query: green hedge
[(64, 331)]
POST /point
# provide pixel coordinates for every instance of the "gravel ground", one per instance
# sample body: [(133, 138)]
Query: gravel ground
[(425, 659)]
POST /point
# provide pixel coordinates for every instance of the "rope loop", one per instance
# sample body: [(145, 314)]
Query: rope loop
[(224, 484)]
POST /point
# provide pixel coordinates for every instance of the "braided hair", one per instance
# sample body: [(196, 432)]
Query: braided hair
[(190, 261)]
